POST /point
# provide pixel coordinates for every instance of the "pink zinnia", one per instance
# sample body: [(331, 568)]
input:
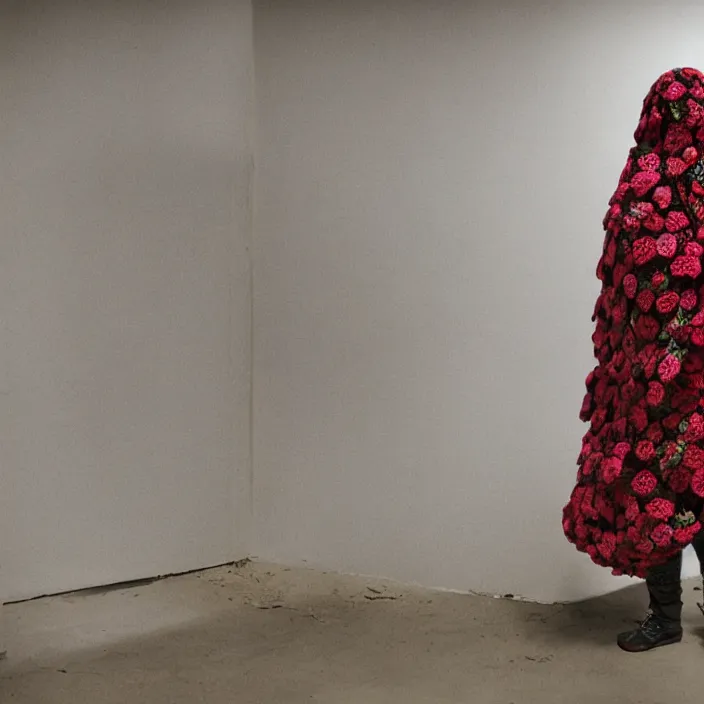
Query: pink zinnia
[(663, 196), (667, 245), (675, 167), (676, 220), (675, 91), (669, 368)]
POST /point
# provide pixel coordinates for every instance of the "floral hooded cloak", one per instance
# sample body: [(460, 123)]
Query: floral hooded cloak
[(640, 486)]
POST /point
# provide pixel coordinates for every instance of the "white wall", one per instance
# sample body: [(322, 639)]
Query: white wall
[(431, 183), (124, 288)]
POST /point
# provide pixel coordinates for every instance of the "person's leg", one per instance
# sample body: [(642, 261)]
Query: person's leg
[(698, 545), (663, 625)]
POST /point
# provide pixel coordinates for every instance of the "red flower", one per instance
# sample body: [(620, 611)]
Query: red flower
[(639, 418), (630, 286), (678, 481), (622, 450), (678, 137), (697, 337), (700, 233), (672, 422), (644, 250), (693, 249), (661, 509), (689, 300), (644, 181), (686, 267), (695, 113), (647, 328), (650, 162), (611, 469), (662, 535), (645, 300), (693, 457), (607, 545), (676, 221), (663, 196), (695, 428), (667, 302), (675, 91), (645, 451), (675, 167), (667, 245), (684, 536), (586, 410), (654, 222), (656, 393), (698, 483), (655, 434), (658, 279), (669, 368), (690, 155)]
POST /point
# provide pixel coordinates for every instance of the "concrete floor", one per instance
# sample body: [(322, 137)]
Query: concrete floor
[(266, 635)]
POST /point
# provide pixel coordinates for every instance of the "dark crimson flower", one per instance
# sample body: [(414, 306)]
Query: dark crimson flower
[(695, 428), (639, 418), (645, 300), (656, 393), (698, 482), (611, 469), (679, 481), (647, 328), (689, 300), (645, 451), (693, 457)]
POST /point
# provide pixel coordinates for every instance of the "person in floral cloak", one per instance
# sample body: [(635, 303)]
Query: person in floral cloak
[(639, 496)]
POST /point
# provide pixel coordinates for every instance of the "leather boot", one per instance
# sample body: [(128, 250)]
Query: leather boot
[(663, 624)]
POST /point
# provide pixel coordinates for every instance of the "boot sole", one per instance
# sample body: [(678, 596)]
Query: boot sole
[(670, 641)]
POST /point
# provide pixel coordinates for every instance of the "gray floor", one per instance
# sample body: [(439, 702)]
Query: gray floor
[(261, 634)]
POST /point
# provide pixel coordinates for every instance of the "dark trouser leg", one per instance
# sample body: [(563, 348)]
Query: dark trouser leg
[(665, 588), (663, 625), (698, 545)]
